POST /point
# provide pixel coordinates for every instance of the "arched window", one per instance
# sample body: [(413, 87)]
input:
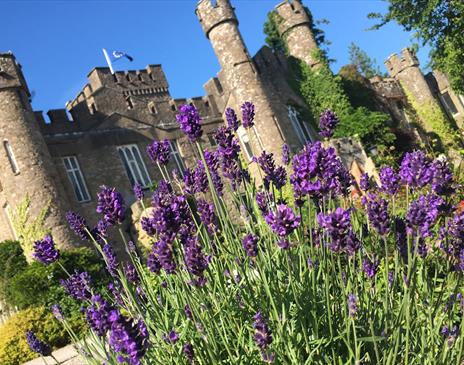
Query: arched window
[(300, 127)]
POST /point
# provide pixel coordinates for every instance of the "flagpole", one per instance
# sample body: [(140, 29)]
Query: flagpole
[(108, 61)]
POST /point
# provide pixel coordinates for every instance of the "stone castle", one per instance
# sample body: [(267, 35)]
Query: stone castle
[(101, 136)]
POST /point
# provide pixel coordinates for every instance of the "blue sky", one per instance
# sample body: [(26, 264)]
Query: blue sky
[(59, 42)]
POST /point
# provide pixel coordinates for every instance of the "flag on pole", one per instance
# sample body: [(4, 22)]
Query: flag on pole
[(114, 56)]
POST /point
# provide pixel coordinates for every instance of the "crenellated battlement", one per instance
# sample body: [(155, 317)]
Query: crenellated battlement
[(292, 14), (11, 75), (212, 13), (397, 63)]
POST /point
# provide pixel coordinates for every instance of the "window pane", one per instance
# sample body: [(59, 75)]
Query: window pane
[(11, 158), (143, 171), (449, 103), (76, 178), (123, 157)]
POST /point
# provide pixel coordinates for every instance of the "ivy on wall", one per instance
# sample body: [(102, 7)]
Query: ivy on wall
[(431, 117), (322, 90)]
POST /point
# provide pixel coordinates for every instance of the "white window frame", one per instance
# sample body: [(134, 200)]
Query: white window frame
[(76, 178), (176, 156), (301, 129), (134, 165), (245, 140), (11, 157), (7, 210), (447, 106), (461, 99)]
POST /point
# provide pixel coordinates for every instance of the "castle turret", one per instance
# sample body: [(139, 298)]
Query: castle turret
[(240, 73), (294, 27), (26, 167), (405, 69)]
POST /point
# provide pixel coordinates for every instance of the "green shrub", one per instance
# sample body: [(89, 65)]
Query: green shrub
[(39, 284), (13, 346), (12, 262)]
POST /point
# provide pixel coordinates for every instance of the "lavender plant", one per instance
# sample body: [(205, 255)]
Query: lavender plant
[(313, 277)]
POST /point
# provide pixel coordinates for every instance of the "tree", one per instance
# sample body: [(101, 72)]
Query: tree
[(366, 66), (438, 23)]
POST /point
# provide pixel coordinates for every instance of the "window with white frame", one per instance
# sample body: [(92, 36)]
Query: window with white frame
[(76, 178), (11, 157), (134, 165), (245, 140), (7, 210), (177, 158), (462, 99), (448, 102), (301, 129)]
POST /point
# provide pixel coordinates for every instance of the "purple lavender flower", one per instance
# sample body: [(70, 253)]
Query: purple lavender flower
[(195, 259), (401, 238), (423, 214), (364, 182), (352, 305), (190, 121), (111, 204), (338, 226), (172, 337), (78, 285), (283, 221), (159, 151), (187, 349), (148, 225), (45, 250), (212, 163), (37, 345), (77, 224), (188, 312), (207, 215), (97, 315), (285, 154), (228, 145), (200, 178), (327, 123), (231, 118), (250, 245), (248, 114), (370, 268), (389, 181), (318, 171), (276, 175), (138, 191), (415, 170), (262, 335), (128, 337), (262, 202), (57, 312), (442, 177), (131, 273), (165, 256), (153, 263), (377, 212), (111, 260)]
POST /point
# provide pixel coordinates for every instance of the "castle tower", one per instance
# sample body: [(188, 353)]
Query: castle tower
[(294, 27), (405, 69), (240, 73), (26, 167)]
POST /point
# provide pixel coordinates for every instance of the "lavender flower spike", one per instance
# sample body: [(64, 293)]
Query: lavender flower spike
[(37, 345), (111, 204), (248, 114), (327, 123), (159, 151), (231, 118), (190, 122), (250, 245), (283, 221), (45, 251)]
